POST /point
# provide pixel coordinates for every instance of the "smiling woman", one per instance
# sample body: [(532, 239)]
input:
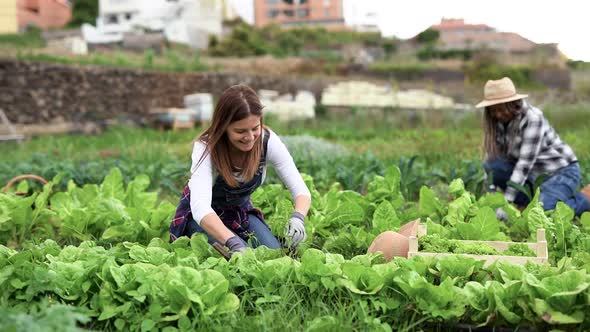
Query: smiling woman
[(244, 133), (229, 163)]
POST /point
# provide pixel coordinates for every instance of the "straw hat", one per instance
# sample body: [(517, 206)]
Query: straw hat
[(498, 92)]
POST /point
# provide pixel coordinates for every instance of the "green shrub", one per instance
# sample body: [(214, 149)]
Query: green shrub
[(428, 36), (246, 40), (389, 46), (83, 11), (431, 52), (407, 71), (320, 110), (481, 72), (578, 64)]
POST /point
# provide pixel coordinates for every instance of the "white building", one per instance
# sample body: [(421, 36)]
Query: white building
[(363, 17), (188, 22)]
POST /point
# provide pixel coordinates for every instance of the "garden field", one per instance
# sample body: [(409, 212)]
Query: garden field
[(89, 250)]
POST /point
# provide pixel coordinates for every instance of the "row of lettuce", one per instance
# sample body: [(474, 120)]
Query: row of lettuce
[(340, 221), (326, 162), (182, 286), (109, 258)]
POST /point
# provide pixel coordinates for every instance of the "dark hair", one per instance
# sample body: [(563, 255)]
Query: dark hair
[(490, 123), (235, 103)]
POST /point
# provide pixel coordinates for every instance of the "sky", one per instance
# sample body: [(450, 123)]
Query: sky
[(564, 22)]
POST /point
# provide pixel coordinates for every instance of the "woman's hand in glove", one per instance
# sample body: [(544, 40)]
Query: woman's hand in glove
[(296, 229)]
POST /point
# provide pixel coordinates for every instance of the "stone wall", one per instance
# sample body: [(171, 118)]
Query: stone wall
[(38, 92), (35, 92)]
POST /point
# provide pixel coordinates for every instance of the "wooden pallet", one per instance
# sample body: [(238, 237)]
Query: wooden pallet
[(540, 248)]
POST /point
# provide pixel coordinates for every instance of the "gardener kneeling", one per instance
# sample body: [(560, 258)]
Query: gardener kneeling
[(228, 163), (520, 146)]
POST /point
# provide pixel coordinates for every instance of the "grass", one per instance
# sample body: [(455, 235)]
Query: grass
[(29, 39), (431, 154), (409, 70), (151, 145), (386, 137), (169, 61)]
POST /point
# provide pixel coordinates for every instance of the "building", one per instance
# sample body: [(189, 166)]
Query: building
[(365, 17), (367, 23), (43, 14), (8, 22), (455, 34), (295, 13), (18, 15), (188, 22), (510, 48)]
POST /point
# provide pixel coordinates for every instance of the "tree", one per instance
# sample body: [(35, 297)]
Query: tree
[(84, 11), (389, 45), (428, 36)]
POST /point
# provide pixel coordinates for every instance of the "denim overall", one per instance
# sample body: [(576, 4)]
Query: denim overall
[(233, 206), (562, 185)]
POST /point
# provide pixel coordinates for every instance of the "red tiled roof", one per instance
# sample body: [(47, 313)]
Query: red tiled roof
[(454, 24)]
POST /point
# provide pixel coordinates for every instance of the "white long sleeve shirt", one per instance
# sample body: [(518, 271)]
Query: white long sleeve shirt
[(202, 178)]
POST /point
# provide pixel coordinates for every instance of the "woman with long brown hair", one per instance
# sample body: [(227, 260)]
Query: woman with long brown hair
[(229, 162), (520, 145)]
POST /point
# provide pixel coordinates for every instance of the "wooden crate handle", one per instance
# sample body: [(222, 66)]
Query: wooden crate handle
[(413, 244), (422, 229), (541, 234), (541, 244)]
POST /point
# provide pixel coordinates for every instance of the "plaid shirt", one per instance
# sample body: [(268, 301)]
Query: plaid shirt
[(530, 140)]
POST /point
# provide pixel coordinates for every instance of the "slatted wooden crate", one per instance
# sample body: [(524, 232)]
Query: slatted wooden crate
[(173, 118), (540, 249)]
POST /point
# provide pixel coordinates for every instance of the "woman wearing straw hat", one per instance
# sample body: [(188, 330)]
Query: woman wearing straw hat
[(520, 145)]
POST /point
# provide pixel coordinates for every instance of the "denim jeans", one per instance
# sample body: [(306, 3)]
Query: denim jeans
[(560, 186), (262, 236)]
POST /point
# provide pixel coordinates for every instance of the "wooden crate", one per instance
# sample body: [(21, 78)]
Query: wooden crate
[(173, 118), (540, 248)]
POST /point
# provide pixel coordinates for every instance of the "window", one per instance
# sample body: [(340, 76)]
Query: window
[(272, 13), (302, 12), (112, 19), (288, 12), (295, 2), (128, 16), (272, 2)]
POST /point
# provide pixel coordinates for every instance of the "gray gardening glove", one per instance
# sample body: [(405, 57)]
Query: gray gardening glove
[(501, 214), (296, 229), (236, 244)]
